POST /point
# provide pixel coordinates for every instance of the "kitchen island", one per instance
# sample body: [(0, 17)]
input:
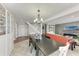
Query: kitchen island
[(45, 45)]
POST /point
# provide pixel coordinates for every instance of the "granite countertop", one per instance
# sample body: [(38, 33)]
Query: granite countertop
[(46, 45)]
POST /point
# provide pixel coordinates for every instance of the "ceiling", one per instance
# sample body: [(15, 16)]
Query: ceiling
[(28, 11), (73, 17)]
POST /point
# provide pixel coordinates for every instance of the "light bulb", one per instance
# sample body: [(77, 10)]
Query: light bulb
[(42, 19), (35, 20)]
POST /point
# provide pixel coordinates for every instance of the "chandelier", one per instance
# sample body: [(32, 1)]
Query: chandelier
[(39, 19)]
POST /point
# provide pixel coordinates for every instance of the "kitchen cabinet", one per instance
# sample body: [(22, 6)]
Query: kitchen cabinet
[(6, 32)]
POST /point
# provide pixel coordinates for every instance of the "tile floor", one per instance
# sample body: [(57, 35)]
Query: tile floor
[(23, 49)]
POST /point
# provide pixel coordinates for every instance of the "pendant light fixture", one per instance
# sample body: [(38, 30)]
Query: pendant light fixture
[(39, 19)]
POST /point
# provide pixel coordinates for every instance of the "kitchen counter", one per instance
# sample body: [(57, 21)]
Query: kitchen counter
[(45, 45)]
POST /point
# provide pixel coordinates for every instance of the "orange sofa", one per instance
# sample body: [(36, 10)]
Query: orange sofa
[(58, 38)]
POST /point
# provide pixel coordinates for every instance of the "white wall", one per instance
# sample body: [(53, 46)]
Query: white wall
[(34, 28), (21, 30), (25, 29)]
